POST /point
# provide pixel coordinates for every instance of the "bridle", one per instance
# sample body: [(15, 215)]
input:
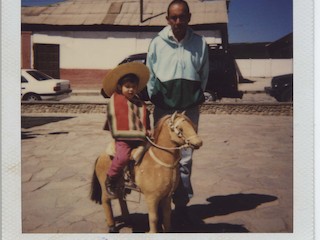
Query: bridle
[(174, 127)]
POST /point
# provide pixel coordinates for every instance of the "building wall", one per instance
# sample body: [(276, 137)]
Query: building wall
[(26, 48), (86, 56), (251, 68), (101, 50)]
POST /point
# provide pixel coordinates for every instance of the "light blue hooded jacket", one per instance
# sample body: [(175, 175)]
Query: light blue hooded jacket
[(178, 71)]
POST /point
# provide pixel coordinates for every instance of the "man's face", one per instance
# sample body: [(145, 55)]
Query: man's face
[(178, 19)]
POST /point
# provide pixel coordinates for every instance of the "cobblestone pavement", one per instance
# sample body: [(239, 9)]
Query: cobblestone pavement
[(91, 102), (242, 176)]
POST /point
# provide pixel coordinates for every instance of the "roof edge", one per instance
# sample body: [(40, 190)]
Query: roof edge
[(105, 27)]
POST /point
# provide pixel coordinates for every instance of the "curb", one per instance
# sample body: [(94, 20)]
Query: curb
[(85, 92)]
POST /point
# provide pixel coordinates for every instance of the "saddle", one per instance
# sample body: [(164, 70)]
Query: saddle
[(136, 153)]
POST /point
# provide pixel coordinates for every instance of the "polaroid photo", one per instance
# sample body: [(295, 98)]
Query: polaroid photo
[(252, 178)]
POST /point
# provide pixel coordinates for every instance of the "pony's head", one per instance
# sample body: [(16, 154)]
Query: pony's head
[(181, 130)]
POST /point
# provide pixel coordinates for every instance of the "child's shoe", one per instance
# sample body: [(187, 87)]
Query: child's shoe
[(111, 187)]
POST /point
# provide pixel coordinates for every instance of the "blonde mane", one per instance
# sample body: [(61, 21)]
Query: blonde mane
[(159, 125)]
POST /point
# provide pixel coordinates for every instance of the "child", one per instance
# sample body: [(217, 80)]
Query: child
[(127, 116)]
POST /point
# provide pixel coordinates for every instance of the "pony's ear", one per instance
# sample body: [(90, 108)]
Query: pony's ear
[(184, 112), (174, 116)]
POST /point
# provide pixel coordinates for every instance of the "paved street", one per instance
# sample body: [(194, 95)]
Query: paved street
[(242, 176)]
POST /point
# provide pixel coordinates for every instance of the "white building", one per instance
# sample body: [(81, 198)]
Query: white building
[(80, 40)]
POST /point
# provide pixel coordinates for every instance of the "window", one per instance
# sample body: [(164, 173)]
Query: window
[(23, 80), (40, 76)]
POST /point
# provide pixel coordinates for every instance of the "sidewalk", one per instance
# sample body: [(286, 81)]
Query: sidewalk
[(242, 176)]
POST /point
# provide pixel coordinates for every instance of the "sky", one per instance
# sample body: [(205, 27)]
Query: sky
[(259, 20), (249, 20)]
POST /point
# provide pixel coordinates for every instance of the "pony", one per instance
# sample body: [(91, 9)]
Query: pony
[(156, 175)]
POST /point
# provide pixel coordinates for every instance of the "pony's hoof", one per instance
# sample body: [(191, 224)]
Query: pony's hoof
[(113, 229)]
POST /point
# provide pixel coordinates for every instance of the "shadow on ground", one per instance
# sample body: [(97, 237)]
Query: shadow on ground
[(217, 206), (30, 122)]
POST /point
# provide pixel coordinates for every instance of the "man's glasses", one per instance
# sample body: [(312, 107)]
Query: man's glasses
[(182, 18)]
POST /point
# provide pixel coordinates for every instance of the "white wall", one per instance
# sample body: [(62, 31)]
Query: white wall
[(101, 50), (104, 50), (264, 67)]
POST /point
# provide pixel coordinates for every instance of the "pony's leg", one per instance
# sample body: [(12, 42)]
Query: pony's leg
[(102, 166), (166, 212), (106, 203), (153, 213), (124, 208)]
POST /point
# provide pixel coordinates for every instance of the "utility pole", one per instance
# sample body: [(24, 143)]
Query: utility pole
[(141, 11)]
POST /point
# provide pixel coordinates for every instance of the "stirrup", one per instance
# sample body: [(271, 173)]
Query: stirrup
[(131, 192), (131, 185)]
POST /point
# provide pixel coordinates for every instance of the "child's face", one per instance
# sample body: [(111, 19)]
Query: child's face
[(129, 89)]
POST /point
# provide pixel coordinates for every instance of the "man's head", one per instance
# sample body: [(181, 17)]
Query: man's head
[(178, 17)]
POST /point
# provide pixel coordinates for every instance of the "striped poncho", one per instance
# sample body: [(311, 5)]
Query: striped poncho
[(127, 119)]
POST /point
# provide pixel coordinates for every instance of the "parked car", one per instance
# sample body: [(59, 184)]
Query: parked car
[(223, 77), (281, 88), (36, 86)]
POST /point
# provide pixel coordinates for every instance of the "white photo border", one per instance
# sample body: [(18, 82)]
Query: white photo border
[(303, 135)]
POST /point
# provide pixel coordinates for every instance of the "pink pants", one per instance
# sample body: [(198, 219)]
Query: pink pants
[(122, 156)]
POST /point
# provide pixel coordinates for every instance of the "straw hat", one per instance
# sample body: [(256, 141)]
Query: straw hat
[(111, 80)]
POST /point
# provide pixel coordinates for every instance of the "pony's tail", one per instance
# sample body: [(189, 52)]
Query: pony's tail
[(95, 187)]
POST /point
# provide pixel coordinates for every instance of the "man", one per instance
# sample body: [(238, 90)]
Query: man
[(179, 68)]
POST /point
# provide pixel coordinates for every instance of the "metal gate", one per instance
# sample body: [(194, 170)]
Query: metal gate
[(46, 59)]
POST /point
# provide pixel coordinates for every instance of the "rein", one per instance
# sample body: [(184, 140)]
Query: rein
[(173, 127), (161, 162), (166, 148)]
